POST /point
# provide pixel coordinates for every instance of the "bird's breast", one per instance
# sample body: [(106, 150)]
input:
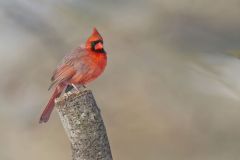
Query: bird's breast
[(91, 67)]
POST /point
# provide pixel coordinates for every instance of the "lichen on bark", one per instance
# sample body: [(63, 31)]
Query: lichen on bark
[(82, 121)]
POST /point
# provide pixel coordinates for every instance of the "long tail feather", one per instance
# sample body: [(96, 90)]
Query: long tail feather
[(49, 108)]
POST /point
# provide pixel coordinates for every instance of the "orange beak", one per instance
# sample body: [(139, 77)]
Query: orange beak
[(99, 46)]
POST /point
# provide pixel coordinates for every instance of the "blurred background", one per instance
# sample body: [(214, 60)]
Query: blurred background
[(170, 91)]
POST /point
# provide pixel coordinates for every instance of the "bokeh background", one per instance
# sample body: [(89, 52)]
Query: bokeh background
[(170, 91)]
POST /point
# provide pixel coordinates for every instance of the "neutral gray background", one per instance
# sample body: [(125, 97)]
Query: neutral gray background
[(170, 90)]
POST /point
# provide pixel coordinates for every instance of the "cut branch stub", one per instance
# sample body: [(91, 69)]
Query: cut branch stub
[(84, 126)]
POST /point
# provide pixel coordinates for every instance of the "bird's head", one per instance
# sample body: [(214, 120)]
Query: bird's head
[(95, 42)]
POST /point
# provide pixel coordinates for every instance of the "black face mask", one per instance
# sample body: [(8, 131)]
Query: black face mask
[(94, 43)]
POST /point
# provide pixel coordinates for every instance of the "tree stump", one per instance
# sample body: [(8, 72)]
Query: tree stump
[(84, 126)]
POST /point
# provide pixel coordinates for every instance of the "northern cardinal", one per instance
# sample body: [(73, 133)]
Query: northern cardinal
[(80, 67)]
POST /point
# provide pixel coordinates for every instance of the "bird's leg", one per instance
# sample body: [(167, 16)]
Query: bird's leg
[(75, 88)]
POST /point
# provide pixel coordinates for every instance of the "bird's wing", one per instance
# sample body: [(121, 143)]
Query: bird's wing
[(61, 74), (67, 68), (71, 65)]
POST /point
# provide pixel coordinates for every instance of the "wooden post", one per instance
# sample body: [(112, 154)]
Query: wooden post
[(84, 126)]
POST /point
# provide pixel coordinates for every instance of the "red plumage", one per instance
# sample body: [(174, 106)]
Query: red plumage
[(80, 67)]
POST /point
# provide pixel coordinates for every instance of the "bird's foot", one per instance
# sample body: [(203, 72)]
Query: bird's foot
[(78, 88)]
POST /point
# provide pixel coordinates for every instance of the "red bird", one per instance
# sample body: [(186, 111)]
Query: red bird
[(80, 67)]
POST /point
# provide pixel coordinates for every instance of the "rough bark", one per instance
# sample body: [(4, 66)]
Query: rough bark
[(84, 126)]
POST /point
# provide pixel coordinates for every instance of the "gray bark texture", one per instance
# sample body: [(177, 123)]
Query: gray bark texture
[(84, 126)]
